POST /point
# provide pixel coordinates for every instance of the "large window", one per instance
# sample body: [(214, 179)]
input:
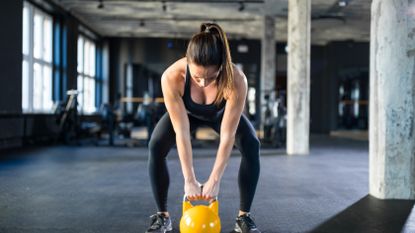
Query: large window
[(86, 75), (37, 60)]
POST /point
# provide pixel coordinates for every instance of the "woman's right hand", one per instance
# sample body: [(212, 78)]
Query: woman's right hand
[(192, 190)]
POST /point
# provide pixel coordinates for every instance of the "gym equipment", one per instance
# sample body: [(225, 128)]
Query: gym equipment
[(71, 128), (68, 118), (108, 120), (200, 218), (275, 120)]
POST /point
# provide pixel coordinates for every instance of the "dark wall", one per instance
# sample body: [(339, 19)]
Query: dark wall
[(320, 91), (11, 56), (114, 68), (11, 70), (71, 39), (251, 65), (328, 65)]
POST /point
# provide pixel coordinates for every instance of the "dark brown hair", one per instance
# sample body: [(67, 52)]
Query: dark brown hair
[(210, 47)]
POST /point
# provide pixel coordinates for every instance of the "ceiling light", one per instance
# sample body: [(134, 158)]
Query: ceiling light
[(241, 6), (343, 3), (101, 4), (164, 6)]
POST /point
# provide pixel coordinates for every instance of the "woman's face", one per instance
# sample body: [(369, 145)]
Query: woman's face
[(204, 75)]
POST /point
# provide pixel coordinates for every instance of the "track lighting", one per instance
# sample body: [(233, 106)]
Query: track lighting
[(241, 6), (164, 6), (343, 3), (101, 4)]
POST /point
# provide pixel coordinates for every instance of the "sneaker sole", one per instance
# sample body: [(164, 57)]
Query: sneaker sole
[(237, 229), (168, 229), (164, 231)]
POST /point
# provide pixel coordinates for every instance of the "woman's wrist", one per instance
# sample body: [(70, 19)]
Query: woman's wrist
[(190, 179), (215, 178)]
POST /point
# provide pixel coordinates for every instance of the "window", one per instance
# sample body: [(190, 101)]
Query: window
[(103, 68), (86, 75), (37, 60)]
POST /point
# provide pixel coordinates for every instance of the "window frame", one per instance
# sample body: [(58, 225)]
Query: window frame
[(86, 75), (29, 80)]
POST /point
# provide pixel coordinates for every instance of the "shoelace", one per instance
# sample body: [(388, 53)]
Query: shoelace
[(247, 220), (157, 221)]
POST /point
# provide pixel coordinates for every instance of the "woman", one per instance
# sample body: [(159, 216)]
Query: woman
[(204, 88)]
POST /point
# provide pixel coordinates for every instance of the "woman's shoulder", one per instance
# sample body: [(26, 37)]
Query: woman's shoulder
[(176, 70), (174, 75), (240, 83), (239, 77), (237, 70)]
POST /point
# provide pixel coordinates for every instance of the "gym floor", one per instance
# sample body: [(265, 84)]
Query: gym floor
[(106, 189)]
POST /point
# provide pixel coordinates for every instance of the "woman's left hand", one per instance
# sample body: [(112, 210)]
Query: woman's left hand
[(210, 189)]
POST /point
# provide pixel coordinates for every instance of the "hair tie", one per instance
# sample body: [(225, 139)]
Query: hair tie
[(207, 29)]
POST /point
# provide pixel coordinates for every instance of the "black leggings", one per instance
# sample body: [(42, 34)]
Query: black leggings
[(163, 139)]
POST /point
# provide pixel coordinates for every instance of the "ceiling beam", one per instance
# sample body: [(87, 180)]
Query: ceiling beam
[(149, 19), (170, 1), (196, 1)]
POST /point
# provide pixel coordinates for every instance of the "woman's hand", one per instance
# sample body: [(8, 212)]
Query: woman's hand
[(192, 190), (210, 189)]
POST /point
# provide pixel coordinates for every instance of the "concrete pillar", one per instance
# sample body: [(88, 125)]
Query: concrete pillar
[(298, 81), (268, 63), (392, 91)]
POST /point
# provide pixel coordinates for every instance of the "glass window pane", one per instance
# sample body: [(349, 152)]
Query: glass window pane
[(356, 109), (93, 108), (86, 72), (47, 39), (25, 30), (89, 95), (37, 86), (25, 86), (105, 94), (80, 92), (86, 57), (47, 88), (80, 54), (92, 60), (37, 30)]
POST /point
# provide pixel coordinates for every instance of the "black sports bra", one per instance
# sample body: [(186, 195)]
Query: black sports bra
[(206, 112)]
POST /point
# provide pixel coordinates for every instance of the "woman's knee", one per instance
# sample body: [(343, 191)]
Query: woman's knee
[(249, 147), (153, 143), (162, 138), (156, 146)]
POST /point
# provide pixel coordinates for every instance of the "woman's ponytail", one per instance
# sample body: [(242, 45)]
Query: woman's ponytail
[(210, 47)]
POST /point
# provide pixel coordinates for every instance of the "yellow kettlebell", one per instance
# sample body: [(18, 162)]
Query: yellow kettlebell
[(200, 218)]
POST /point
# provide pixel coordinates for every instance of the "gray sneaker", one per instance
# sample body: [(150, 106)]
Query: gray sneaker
[(245, 224), (159, 224)]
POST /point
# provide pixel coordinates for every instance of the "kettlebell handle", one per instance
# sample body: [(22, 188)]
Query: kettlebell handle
[(186, 199), (213, 205)]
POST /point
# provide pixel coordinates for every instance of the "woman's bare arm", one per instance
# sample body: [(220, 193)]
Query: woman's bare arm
[(170, 83), (230, 121)]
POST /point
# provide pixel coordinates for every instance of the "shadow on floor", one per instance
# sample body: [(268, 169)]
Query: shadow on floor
[(369, 214)]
